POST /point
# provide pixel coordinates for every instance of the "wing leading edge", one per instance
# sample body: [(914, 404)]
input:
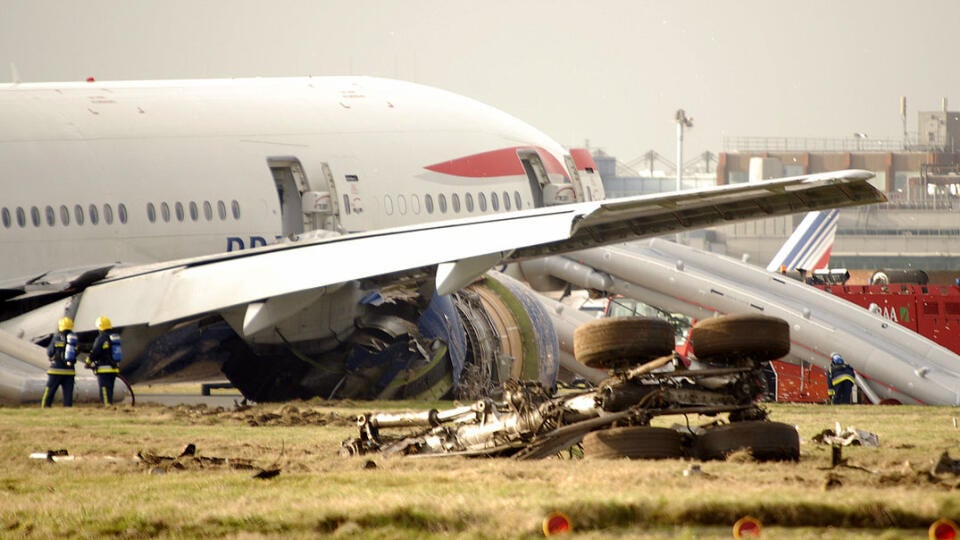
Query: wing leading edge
[(462, 249)]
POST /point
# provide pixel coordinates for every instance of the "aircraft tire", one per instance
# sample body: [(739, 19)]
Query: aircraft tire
[(641, 442), (622, 341), (733, 337), (766, 441)]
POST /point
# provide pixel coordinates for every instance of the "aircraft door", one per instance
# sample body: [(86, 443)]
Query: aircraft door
[(536, 174), (329, 219), (582, 191), (302, 208)]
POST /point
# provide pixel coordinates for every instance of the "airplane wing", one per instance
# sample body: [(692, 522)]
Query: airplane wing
[(287, 276)]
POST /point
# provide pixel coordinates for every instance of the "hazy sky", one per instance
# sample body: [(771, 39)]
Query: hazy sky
[(611, 72)]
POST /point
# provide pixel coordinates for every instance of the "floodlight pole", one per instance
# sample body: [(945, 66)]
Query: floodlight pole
[(682, 122)]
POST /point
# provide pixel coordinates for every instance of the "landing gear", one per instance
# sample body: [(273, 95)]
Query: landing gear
[(622, 342), (734, 347), (639, 442), (765, 441), (729, 339)]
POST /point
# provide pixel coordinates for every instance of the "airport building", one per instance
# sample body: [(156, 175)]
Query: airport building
[(919, 228)]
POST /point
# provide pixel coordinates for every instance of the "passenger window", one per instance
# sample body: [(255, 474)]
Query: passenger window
[(222, 210), (165, 211), (178, 209), (78, 214), (235, 206), (194, 211), (208, 210), (506, 200), (428, 203), (442, 203), (151, 212), (51, 216), (415, 203), (388, 205), (482, 202), (6, 217), (495, 202), (517, 200), (64, 215), (94, 214), (402, 205), (455, 201), (469, 200), (122, 211), (346, 204), (35, 216), (108, 214), (21, 217)]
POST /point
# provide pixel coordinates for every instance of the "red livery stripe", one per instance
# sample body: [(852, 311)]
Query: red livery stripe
[(502, 162)]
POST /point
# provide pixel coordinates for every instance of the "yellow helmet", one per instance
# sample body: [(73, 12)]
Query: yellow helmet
[(103, 323), (64, 324)]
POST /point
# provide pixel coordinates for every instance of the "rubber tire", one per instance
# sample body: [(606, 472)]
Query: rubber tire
[(622, 341), (640, 442), (733, 337), (767, 441)]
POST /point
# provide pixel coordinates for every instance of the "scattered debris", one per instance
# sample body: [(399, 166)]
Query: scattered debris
[(266, 474), (850, 436), (190, 459), (53, 456), (832, 481), (946, 464)]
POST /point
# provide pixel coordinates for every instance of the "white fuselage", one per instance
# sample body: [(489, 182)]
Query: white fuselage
[(139, 172)]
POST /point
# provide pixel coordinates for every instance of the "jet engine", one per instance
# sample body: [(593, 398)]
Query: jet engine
[(397, 344)]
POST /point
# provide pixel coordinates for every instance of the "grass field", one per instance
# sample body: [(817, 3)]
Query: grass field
[(105, 491)]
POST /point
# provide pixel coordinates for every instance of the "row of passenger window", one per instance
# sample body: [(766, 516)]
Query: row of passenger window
[(180, 212), (51, 215), (455, 205), (95, 214)]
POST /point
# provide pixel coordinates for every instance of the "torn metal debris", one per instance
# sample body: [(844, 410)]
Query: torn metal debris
[(847, 437), (613, 419)]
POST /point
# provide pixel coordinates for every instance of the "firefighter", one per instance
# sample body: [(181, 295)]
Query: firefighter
[(105, 357), (62, 352), (840, 380)]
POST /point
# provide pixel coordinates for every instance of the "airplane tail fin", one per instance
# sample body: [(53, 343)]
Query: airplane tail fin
[(809, 246)]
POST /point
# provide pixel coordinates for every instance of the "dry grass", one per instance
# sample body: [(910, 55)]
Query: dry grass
[(881, 493)]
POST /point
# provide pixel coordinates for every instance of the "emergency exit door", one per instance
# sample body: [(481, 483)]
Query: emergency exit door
[(536, 174), (291, 183)]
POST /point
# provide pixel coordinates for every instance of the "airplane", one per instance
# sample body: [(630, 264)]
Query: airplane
[(314, 236)]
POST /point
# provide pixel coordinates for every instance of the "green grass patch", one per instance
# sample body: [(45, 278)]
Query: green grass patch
[(105, 491)]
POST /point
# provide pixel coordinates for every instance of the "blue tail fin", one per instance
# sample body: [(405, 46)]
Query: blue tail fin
[(808, 248)]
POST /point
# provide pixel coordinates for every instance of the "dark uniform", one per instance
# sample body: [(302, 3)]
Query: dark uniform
[(105, 359), (840, 380), (62, 352)]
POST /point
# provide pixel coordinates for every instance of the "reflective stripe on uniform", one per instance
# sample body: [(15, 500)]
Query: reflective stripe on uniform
[(58, 371), (107, 369), (843, 378)]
